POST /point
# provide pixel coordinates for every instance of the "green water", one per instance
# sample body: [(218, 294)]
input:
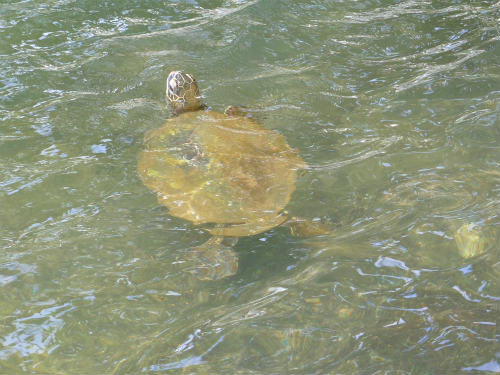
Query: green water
[(394, 104)]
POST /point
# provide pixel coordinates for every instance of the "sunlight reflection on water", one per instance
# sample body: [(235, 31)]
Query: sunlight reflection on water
[(393, 105)]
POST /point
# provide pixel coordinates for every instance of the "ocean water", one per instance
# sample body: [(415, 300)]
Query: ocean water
[(393, 104)]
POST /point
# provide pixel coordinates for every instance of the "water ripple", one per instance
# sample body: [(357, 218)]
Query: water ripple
[(395, 108)]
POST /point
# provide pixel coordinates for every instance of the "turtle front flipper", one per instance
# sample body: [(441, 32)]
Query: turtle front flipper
[(213, 260), (242, 111)]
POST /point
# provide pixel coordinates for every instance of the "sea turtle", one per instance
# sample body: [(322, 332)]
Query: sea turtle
[(222, 171)]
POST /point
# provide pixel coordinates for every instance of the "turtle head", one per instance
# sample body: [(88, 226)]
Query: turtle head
[(182, 92)]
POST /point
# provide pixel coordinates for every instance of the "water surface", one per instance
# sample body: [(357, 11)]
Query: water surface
[(394, 105)]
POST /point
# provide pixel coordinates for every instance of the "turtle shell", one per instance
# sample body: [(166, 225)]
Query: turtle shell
[(226, 172)]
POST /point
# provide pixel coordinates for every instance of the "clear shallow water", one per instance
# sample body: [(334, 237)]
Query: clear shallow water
[(393, 104)]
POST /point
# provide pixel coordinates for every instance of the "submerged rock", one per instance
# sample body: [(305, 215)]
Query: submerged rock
[(471, 240)]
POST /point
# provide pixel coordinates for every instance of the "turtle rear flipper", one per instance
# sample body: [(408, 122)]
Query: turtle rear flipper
[(213, 260), (307, 227), (248, 229)]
